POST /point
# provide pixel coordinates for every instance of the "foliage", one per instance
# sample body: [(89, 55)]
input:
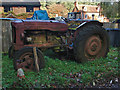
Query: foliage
[(69, 6), (110, 10), (24, 15), (11, 12), (4, 14), (119, 9), (67, 73), (89, 3)]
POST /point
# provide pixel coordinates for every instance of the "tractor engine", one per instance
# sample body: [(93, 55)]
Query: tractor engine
[(57, 40)]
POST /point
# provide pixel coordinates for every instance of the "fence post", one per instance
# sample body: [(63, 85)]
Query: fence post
[(6, 35)]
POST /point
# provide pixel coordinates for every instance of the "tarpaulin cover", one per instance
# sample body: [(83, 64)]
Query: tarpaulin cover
[(39, 15)]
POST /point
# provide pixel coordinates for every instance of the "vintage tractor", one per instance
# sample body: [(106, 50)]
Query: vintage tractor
[(86, 39)]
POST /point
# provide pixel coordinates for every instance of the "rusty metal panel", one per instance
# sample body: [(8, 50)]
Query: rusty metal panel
[(46, 45), (40, 24), (48, 25)]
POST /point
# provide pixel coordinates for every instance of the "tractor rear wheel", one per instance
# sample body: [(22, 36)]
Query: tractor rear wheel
[(91, 42), (24, 58)]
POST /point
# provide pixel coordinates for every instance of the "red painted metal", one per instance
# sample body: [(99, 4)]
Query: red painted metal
[(27, 62), (21, 26), (51, 25), (46, 45)]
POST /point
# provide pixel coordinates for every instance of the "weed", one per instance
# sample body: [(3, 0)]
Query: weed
[(65, 73)]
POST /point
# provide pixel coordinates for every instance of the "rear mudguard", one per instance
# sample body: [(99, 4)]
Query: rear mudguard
[(87, 23), (77, 29), (77, 24), (83, 24)]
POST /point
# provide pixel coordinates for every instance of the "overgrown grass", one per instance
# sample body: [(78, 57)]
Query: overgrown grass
[(66, 73)]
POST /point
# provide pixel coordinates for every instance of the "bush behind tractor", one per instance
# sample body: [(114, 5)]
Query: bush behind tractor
[(86, 39)]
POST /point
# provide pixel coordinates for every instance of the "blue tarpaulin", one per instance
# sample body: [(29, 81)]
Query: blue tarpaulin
[(39, 15)]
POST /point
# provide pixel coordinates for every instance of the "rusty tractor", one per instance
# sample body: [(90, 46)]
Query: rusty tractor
[(86, 39)]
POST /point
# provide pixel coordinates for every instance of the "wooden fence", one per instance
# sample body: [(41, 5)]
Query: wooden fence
[(7, 33)]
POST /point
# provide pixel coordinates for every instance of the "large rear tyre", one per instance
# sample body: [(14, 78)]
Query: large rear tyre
[(24, 58), (91, 42)]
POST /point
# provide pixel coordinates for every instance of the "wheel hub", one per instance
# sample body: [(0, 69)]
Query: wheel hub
[(26, 62), (93, 46)]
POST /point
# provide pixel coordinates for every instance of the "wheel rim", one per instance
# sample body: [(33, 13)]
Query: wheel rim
[(26, 62), (93, 47)]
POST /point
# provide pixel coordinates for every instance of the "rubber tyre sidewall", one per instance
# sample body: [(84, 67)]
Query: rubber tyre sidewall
[(30, 49), (83, 35)]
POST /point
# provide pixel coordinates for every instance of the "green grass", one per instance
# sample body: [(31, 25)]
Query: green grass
[(65, 73)]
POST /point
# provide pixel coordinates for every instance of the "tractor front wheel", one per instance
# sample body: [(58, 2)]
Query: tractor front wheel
[(24, 59)]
